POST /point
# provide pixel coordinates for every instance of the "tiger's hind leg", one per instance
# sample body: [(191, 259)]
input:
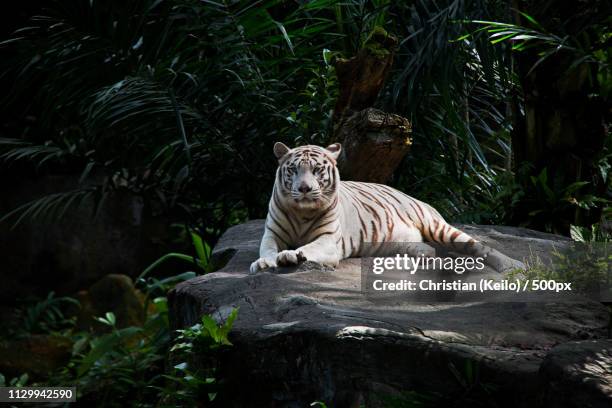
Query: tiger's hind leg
[(407, 240), (462, 242)]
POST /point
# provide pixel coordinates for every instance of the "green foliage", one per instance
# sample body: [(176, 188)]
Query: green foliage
[(586, 265), (20, 381), (194, 381), (411, 399), (548, 44), (200, 261), (180, 101), (141, 364), (125, 363), (547, 199), (167, 100), (48, 315), (456, 93), (582, 51), (131, 363), (52, 206), (206, 334), (596, 233), (311, 121)]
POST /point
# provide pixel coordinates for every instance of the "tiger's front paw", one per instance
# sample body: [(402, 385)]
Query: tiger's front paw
[(286, 258), (262, 263)]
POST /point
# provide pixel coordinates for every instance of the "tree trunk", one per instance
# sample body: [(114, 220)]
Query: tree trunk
[(374, 142)]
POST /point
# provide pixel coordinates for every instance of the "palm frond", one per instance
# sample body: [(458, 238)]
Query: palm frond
[(19, 150), (50, 207)]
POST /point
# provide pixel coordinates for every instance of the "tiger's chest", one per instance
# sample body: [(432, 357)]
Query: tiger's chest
[(308, 229)]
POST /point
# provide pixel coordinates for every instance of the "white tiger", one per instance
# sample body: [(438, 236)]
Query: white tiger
[(314, 216)]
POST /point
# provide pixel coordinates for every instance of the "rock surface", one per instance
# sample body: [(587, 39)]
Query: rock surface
[(113, 293), (579, 374), (37, 355), (309, 334)]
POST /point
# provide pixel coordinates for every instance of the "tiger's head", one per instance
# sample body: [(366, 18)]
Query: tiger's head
[(307, 177)]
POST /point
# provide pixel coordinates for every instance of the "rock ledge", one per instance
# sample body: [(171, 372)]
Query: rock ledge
[(308, 334)]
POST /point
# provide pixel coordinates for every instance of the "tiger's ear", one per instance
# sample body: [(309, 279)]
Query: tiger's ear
[(280, 149), (334, 150)]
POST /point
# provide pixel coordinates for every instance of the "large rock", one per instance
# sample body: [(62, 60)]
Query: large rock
[(37, 355), (113, 293), (579, 374), (309, 333)]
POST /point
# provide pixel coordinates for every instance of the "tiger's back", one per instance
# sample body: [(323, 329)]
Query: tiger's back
[(384, 215)]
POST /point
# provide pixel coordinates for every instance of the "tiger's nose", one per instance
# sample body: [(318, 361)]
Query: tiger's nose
[(304, 188)]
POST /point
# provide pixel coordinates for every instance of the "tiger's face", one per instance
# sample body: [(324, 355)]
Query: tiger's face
[(307, 177)]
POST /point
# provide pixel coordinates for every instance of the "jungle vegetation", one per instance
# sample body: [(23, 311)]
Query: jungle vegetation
[(508, 101)]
